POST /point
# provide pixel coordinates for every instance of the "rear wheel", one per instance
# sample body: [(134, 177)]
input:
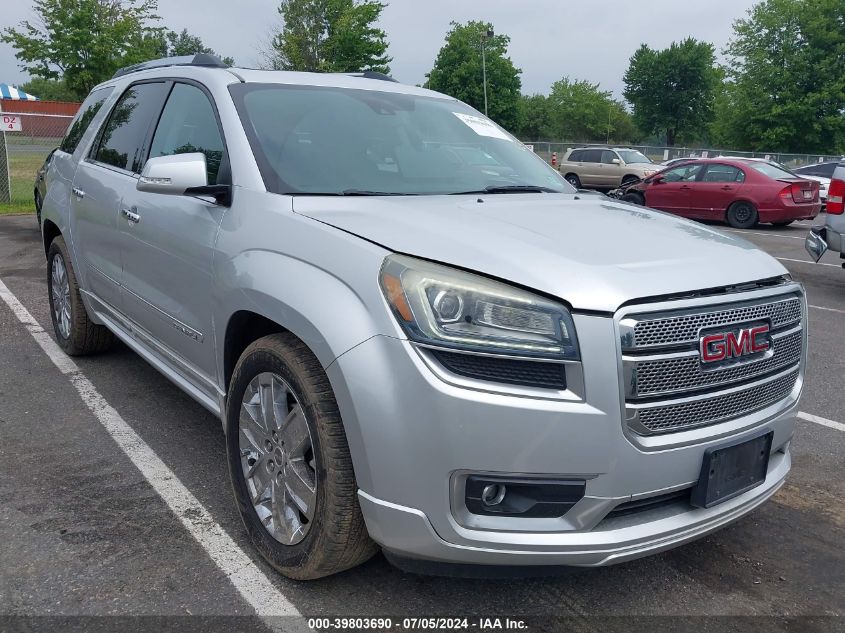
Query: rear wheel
[(76, 334), (573, 180), (289, 462), (742, 215), (782, 224), (634, 198)]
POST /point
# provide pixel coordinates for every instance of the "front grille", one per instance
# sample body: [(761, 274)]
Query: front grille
[(673, 375), (717, 409), (668, 389), (683, 328), (528, 373)]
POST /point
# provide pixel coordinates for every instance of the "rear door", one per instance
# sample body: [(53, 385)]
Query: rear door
[(102, 178), (591, 170), (671, 190), (167, 253), (715, 190)]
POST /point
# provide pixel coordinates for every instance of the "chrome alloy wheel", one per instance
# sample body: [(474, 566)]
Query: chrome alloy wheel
[(277, 457), (61, 295)]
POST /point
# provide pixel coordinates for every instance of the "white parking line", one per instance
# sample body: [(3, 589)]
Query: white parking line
[(823, 421), (786, 237), (838, 311), (239, 568), (806, 261)]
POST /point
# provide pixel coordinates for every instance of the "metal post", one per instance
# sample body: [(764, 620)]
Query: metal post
[(5, 176), (484, 72)]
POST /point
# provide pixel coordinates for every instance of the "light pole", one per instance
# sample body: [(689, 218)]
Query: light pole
[(484, 37)]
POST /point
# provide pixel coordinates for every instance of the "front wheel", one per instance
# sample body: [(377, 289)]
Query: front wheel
[(573, 180), (289, 462), (742, 215), (634, 198)]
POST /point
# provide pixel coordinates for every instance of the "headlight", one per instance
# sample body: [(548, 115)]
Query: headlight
[(649, 172), (441, 306)]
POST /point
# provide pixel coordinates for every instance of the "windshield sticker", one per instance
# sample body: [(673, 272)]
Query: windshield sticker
[(482, 126)]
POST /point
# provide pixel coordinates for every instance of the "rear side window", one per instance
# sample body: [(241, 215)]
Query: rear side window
[(577, 155), (592, 156), (723, 173), (123, 137), (188, 125), (87, 111)]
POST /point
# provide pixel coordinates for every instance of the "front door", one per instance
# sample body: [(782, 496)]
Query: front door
[(671, 190), (167, 253)]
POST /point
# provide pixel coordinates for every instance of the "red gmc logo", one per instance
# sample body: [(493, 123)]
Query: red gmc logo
[(727, 345)]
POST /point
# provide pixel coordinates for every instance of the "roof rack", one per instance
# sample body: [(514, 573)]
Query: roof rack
[(200, 59), (371, 74)]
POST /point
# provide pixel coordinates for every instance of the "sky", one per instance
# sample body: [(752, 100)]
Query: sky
[(550, 39)]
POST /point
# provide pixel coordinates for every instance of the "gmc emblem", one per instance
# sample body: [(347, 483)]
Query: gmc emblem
[(728, 345)]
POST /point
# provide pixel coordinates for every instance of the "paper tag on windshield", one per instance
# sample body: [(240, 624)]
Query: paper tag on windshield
[(482, 126)]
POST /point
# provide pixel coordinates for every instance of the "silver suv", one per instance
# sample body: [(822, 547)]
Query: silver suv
[(419, 336), (832, 233)]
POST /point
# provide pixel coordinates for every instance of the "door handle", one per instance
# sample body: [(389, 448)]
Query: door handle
[(685, 188), (78, 193), (133, 218), (727, 188)]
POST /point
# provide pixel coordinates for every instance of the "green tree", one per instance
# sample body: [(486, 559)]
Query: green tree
[(534, 118), (330, 36), (175, 44), (786, 78), (671, 90), (582, 111), (84, 41), (49, 89), (458, 72)]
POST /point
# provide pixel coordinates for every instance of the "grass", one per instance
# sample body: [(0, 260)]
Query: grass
[(22, 168)]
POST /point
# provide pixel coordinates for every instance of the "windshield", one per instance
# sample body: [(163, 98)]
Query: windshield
[(313, 140), (770, 170), (633, 156)]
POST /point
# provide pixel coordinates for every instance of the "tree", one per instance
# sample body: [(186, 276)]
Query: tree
[(458, 72), (175, 44), (582, 111), (330, 36), (49, 89), (672, 90), (534, 118), (84, 41), (786, 78)]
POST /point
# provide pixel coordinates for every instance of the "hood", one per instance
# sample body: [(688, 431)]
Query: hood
[(589, 251)]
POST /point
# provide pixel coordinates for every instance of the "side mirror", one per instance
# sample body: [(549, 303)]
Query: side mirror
[(616, 161), (181, 175)]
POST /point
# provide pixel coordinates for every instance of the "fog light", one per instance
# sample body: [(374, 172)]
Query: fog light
[(493, 494)]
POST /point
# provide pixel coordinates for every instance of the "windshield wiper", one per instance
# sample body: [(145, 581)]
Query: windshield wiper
[(364, 192), (509, 189)]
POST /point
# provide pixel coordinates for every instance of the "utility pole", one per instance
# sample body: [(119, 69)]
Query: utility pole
[(484, 38)]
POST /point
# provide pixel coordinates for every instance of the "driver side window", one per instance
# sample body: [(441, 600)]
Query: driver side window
[(684, 173)]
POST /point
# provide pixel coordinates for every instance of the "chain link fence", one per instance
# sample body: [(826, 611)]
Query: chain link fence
[(661, 154), (25, 141)]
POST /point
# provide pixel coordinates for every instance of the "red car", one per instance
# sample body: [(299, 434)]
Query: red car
[(740, 192)]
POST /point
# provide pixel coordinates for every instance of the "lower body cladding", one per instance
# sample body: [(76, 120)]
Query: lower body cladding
[(436, 459)]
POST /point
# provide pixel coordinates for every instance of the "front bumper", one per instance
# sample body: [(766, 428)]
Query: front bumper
[(414, 434)]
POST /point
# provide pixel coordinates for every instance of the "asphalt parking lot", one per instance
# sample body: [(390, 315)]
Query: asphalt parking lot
[(83, 532)]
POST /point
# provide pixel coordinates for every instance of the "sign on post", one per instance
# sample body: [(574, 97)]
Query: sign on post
[(12, 123)]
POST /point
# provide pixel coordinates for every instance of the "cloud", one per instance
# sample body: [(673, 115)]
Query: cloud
[(584, 39)]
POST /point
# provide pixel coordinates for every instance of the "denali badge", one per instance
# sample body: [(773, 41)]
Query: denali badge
[(736, 344)]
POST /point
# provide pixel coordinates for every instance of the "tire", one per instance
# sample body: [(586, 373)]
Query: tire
[(629, 179), (325, 533), (634, 198), (75, 333), (573, 180), (742, 215), (782, 224), (38, 204)]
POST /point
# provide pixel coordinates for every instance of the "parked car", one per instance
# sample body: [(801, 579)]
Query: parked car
[(831, 235), (40, 189), (741, 192), (408, 349), (824, 183), (605, 167), (822, 174)]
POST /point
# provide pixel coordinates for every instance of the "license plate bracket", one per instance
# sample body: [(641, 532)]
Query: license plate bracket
[(732, 469)]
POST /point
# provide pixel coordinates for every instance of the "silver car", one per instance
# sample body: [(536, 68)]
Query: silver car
[(458, 361), (831, 235)]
